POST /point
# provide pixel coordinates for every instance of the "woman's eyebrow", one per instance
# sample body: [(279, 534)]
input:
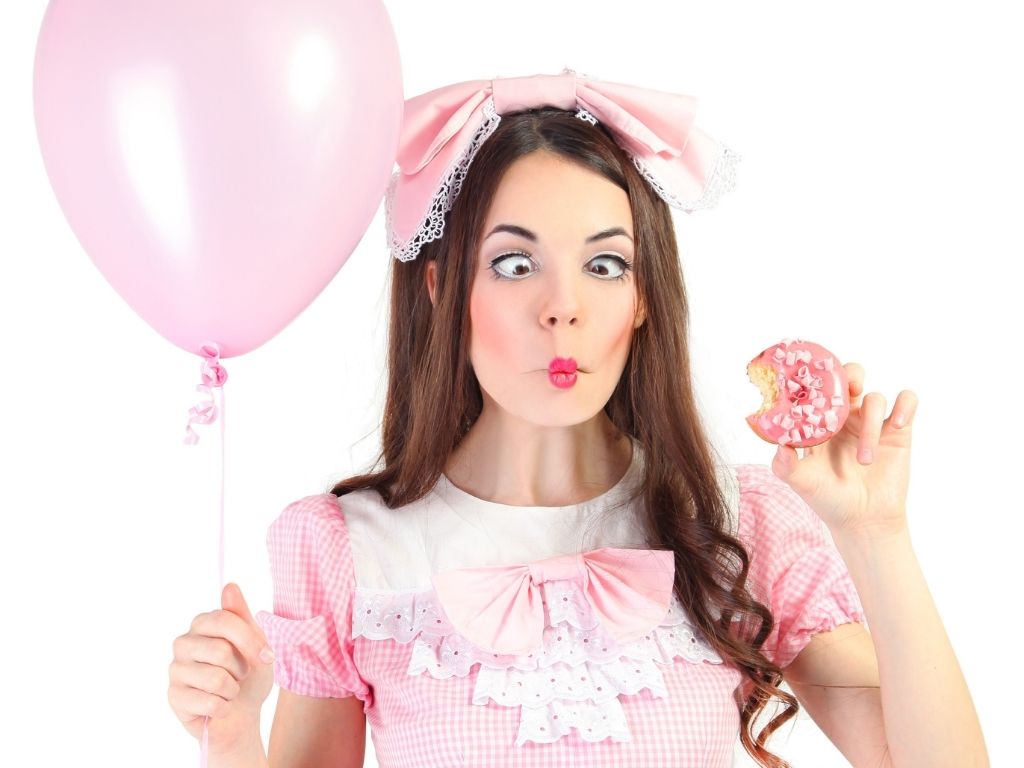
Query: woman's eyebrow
[(515, 229)]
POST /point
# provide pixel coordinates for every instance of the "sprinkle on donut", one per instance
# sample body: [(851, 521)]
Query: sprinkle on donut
[(806, 394)]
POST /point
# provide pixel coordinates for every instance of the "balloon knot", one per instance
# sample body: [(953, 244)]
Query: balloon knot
[(212, 374)]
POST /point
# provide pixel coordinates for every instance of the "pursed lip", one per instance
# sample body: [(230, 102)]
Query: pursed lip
[(562, 365)]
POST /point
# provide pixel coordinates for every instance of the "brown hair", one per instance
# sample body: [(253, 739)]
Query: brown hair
[(433, 397)]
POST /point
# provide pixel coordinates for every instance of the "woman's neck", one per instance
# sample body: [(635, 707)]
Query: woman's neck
[(525, 465)]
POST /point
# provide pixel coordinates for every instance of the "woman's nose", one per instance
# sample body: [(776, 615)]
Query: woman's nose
[(566, 317), (562, 303)]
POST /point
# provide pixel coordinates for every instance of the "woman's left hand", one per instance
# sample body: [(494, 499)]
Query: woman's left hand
[(854, 492)]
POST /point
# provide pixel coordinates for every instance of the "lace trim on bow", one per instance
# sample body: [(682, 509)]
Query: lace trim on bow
[(433, 224), (721, 180), (572, 680)]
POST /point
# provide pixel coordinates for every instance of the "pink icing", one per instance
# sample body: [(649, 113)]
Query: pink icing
[(814, 394)]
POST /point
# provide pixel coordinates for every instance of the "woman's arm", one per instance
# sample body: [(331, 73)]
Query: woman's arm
[(929, 716), (315, 732), (857, 482)]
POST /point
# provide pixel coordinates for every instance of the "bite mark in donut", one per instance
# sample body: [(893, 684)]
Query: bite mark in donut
[(806, 394)]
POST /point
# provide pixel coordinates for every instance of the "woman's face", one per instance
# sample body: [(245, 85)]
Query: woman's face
[(553, 279)]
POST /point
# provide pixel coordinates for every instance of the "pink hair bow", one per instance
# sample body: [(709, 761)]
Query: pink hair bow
[(501, 608), (443, 128)]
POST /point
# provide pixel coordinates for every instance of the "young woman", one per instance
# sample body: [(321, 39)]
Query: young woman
[(553, 566)]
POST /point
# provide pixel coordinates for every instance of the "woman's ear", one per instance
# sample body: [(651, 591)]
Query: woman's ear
[(432, 279), (641, 314)]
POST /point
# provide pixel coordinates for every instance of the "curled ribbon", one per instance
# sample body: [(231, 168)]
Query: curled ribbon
[(213, 374)]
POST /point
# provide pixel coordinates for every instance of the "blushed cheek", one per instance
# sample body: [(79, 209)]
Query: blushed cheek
[(492, 339), (624, 333)]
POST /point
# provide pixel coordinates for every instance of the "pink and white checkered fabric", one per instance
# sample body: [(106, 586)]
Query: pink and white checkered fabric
[(417, 719)]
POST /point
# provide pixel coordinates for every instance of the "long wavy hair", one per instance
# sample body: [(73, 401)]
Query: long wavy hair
[(433, 398)]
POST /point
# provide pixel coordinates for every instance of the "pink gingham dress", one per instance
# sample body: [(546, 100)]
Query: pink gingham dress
[(355, 615)]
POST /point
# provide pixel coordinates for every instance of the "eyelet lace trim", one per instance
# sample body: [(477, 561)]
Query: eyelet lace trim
[(593, 722), (572, 680)]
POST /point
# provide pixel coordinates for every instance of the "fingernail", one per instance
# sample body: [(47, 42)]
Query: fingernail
[(865, 455), (266, 655), (900, 420)]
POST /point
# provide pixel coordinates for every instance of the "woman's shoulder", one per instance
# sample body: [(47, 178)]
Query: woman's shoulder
[(772, 516), (307, 517), (763, 493), (763, 505), (359, 507), (325, 517), (385, 546), (754, 477)]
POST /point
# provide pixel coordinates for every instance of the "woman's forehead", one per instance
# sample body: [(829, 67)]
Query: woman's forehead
[(541, 195)]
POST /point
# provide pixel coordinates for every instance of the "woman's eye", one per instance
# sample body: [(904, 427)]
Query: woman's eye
[(517, 262), (515, 266), (616, 261)]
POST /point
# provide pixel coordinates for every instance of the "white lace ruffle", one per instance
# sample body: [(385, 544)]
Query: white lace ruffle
[(572, 680), (593, 722), (721, 180), (432, 226)]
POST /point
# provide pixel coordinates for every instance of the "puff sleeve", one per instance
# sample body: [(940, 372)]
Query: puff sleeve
[(310, 630), (794, 568)]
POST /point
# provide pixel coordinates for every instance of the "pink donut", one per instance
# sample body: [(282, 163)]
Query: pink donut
[(815, 394)]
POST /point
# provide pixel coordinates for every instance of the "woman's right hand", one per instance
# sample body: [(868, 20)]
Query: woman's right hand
[(217, 672)]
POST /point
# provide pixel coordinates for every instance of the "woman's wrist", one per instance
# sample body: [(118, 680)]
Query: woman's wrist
[(247, 751)]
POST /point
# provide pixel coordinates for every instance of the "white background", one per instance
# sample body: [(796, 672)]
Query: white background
[(877, 212)]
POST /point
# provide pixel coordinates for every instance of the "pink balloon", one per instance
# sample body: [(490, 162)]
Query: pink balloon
[(218, 161)]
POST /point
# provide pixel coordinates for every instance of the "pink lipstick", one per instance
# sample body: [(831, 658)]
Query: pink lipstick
[(562, 372)]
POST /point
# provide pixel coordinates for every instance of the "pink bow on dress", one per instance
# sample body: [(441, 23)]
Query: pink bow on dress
[(439, 128), (500, 608)]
